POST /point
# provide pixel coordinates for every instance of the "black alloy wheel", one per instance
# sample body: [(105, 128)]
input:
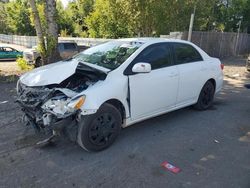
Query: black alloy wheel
[(98, 131), (206, 96)]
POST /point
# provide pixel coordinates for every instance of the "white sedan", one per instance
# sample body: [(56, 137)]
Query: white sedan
[(116, 84)]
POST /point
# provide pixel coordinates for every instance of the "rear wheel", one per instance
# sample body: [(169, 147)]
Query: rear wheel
[(98, 131), (206, 96)]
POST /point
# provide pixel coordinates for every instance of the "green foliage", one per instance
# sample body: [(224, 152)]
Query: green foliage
[(23, 65), (40, 8), (64, 21), (77, 11), (128, 18), (51, 45), (4, 26), (17, 18), (104, 22)]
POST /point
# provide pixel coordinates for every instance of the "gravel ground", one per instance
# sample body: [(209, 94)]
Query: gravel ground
[(212, 148), (235, 68)]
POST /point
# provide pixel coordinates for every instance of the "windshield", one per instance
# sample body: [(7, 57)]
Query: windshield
[(109, 55)]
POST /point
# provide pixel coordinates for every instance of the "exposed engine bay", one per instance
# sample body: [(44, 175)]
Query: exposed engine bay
[(44, 106)]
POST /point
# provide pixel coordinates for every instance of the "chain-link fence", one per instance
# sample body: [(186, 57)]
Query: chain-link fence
[(30, 41)]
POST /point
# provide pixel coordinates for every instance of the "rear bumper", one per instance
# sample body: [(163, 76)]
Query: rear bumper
[(219, 83)]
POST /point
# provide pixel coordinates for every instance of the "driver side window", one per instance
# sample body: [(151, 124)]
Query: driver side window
[(158, 55)]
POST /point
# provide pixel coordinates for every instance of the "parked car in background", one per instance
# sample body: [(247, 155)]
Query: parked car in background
[(8, 53), (248, 63), (116, 84), (66, 50)]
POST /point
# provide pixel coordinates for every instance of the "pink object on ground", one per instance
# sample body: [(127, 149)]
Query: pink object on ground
[(170, 167)]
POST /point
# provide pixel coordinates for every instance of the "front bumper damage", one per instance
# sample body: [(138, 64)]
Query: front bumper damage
[(53, 104), (35, 101)]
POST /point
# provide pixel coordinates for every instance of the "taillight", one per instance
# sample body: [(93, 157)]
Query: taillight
[(222, 66)]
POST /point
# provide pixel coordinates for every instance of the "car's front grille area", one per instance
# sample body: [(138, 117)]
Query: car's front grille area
[(32, 96)]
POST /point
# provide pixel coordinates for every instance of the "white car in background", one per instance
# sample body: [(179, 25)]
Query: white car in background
[(116, 84)]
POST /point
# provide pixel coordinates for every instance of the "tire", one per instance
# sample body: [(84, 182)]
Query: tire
[(98, 131), (38, 62), (206, 97)]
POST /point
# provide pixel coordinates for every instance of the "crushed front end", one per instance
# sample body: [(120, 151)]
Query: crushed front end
[(54, 109), (49, 110)]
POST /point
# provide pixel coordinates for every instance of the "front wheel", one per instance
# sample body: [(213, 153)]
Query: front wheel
[(206, 96), (98, 131)]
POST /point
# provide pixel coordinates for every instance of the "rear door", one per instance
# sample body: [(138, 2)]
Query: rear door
[(154, 92), (192, 72)]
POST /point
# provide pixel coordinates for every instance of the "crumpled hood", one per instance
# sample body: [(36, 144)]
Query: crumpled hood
[(53, 73)]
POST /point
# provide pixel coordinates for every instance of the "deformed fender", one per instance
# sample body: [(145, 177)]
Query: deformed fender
[(112, 88)]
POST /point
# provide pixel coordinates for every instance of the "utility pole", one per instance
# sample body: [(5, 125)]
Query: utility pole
[(238, 35), (191, 24)]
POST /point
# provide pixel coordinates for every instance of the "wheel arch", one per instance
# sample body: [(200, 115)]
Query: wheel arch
[(117, 104), (38, 57), (213, 82)]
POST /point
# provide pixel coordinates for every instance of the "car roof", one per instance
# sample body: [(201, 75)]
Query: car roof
[(6, 47), (63, 42), (153, 40)]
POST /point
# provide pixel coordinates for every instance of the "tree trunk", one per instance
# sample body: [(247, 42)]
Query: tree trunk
[(39, 31), (52, 31)]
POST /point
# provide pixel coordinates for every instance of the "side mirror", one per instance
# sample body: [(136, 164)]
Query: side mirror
[(141, 68)]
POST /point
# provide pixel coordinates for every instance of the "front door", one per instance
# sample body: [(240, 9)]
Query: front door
[(154, 92)]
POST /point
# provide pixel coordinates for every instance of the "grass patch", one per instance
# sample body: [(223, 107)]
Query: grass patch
[(23, 64)]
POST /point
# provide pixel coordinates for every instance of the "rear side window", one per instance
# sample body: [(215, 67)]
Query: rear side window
[(185, 53), (69, 46), (8, 50), (158, 55)]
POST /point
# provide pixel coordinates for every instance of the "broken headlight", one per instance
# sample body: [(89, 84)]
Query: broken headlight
[(61, 105), (77, 102)]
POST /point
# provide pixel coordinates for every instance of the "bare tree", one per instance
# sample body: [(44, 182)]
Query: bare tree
[(48, 39), (39, 31), (52, 30)]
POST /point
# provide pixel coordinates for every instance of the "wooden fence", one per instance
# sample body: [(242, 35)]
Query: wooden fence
[(218, 44)]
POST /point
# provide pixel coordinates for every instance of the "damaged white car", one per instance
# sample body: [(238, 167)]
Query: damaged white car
[(116, 84)]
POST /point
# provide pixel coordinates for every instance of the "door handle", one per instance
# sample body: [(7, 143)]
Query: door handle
[(173, 74)]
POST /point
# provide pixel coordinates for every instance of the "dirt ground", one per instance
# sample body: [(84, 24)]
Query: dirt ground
[(212, 148)]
